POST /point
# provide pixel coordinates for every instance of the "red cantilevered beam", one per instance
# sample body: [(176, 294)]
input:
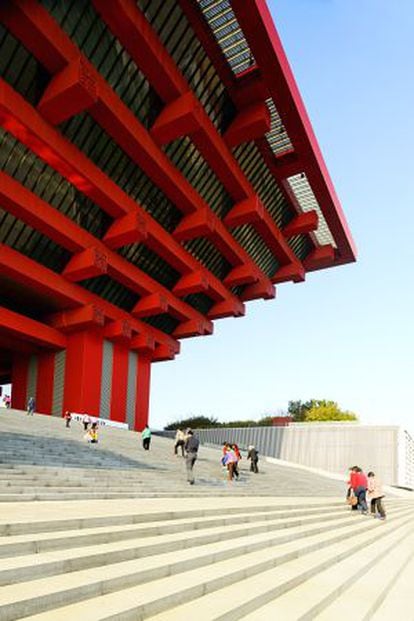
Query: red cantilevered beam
[(252, 212), (305, 222), (89, 263), (77, 318), (93, 257), (19, 326), (71, 92), (119, 331), (251, 122), (16, 266), (319, 258)]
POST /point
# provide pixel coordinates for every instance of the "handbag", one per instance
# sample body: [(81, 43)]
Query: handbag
[(352, 500)]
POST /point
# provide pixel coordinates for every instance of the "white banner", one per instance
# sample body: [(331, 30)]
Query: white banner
[(102, 422)]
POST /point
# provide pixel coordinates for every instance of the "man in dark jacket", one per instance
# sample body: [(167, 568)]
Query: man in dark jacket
[(191, 449)]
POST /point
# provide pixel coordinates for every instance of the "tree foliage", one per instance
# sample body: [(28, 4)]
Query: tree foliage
[(193, 422), (328, 411), (308, 411), (318, 410), (297, 410), (205, 422)]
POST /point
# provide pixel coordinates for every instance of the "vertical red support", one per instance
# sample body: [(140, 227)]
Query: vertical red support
[(20, 371), (119, 382), (45, 378), (83, 372), (143, 391)]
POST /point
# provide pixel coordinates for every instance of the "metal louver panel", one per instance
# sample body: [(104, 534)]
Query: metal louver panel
[(131, 389), (106, 380), (31, 378), (58, 383)]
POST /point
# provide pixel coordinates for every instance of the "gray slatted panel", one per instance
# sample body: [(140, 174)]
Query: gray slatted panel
[(58, 383), (131, 389), (32, 378), (106, 379)]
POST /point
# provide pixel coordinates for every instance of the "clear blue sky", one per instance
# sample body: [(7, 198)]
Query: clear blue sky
[(346, 333)]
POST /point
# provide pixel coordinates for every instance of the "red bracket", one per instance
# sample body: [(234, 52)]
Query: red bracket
[(86, 264)]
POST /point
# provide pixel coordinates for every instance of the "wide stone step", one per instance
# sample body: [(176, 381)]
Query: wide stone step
[(116, 592), (234, 539), (91, 514), (17, 545)]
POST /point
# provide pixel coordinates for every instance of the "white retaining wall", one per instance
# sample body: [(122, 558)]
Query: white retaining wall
[(334, 447)]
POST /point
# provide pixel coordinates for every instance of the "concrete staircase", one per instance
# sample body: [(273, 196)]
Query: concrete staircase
[(165, 551), (202, 558), (42, 460)]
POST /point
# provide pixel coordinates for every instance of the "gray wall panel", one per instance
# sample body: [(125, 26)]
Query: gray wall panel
[(131, 389), (32, 379), (331, 447), (106, 381), (58, 383)]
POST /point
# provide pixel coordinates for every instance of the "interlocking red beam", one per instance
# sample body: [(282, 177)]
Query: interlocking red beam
[(92, 257), (22, 21), (53, 286), (184, 113), (20, 119), (31, 23)]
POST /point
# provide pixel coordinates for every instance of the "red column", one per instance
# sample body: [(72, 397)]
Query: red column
[(19, 381), (45, 378), (83, 372), (143, 391), (119, 382)]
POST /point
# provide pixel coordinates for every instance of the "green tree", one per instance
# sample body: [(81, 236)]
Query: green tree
[(328, 411), (193, 422), (297, 410)]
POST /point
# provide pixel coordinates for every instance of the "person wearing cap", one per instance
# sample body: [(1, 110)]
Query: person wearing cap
[(253, 455)]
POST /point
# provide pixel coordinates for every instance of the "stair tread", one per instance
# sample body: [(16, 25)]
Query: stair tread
[(228, 537)]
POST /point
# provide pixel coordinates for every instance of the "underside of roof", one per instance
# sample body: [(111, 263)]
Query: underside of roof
[(157, 162)]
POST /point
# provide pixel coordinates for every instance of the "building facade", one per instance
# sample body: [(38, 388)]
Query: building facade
[(157, 171)]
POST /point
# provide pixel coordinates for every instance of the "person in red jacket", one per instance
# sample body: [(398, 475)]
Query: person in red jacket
[(359, 484)]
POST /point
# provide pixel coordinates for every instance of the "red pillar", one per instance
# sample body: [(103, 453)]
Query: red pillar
[(143, 391), (83, 372), (45, 378), (119, 382), (19, 381)]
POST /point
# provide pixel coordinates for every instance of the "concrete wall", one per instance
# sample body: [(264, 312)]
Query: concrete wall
[(332, 447)]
